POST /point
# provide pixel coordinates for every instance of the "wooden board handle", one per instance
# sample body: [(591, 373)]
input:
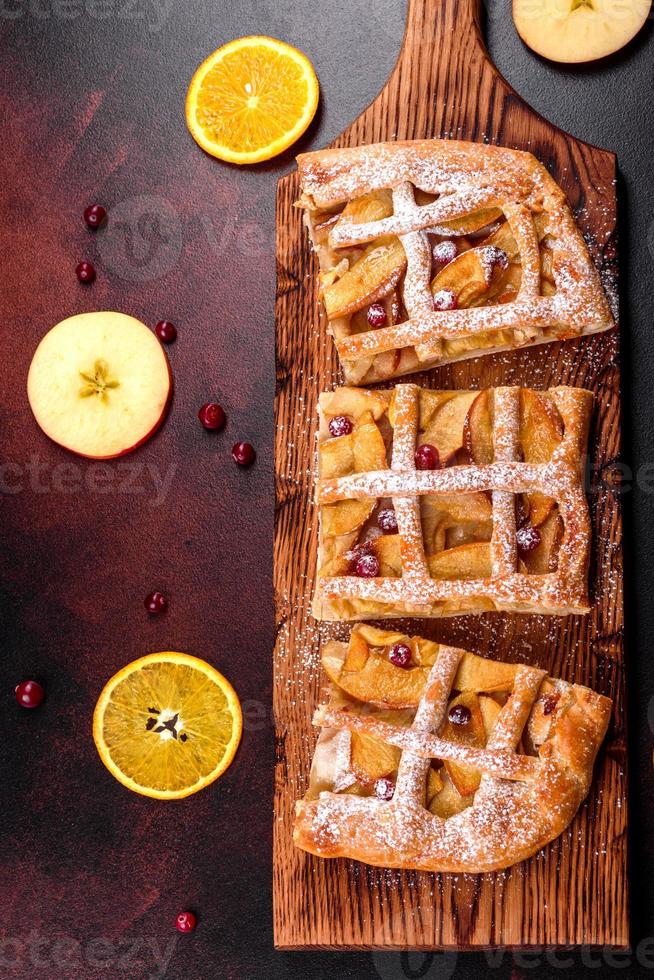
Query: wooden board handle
[(442, 29)]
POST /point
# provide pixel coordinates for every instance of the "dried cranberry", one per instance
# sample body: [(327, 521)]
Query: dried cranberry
[(29, 694), (387, 520), (400, 655), (384, 788), (527, 538), (85, 272), (212, 416), (340, 425), (444, 299), (94, 215), (166, 331), (459, 715), (186, 922), (155, 603), (496, 256), (427, 457), (243, 453), (377, 315), (444, 253), (367, 565), (549, 703)]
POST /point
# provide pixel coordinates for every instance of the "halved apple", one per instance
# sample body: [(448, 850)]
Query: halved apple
[(572, 31), (99, 384)]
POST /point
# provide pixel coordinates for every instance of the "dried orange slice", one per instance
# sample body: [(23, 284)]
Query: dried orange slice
[(251, 99), (167, 725)]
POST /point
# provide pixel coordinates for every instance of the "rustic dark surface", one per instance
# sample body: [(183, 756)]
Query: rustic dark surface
[(92, 109)]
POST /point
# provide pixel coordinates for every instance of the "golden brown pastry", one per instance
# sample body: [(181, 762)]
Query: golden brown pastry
[(438, 250), (437, 503), (432, 758)]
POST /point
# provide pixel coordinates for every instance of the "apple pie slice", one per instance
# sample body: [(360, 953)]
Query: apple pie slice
[(430, 757), (438, 503), (440, 250)]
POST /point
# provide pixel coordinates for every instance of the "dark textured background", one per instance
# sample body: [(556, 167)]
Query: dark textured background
[(92, 109)]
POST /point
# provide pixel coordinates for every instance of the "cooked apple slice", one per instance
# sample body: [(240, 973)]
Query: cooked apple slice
[(544, 558), (449, 801), (445, 427), (472, 733), (369, 449), (357, 653), (369, 207), (370, 758), (345, 516), (503, 238), (353, 402), (387, 549), (490, 709), (541, 431), (467, 561), (337, 457), (434, 784), (470, 276), (371, 277), (470, 223), (478, 430), (379, 681), (99, 384), (375, 637), (573, 31), (479, 674)]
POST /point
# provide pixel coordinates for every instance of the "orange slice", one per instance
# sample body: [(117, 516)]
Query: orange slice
[(251, 99), (167, 725)]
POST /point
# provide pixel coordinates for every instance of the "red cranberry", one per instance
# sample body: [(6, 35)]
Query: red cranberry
[(460, 715), (243, 453), (95, 215), (29, 694), (444, 299), (156, 603), (166, 331), (400, 655), (387, 520), (384, 788), (340, 425), (367, 566), (85, 272), (550, 703), (444, 253), (427, 457), (377, 315), (496, 256), (186, 922), (212, 416), (527, 538)]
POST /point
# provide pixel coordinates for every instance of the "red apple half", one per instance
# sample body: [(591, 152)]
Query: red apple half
[(99, 384)]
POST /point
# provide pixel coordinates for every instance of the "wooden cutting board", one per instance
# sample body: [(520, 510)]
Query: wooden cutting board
[(575, 891)]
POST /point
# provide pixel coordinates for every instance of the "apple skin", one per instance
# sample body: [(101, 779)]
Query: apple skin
[(131, 351)]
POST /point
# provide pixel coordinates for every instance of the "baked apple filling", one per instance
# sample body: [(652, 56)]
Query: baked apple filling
[(442, 250), (426, 487)]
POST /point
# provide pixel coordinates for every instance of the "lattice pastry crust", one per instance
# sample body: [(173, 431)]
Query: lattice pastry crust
[(411, 228), (454, 763), (501, 524)]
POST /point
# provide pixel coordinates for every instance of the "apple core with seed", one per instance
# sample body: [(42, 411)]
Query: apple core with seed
[(99, 384)]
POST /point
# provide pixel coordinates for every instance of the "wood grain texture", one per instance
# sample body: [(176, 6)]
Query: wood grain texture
[(575, 891)]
